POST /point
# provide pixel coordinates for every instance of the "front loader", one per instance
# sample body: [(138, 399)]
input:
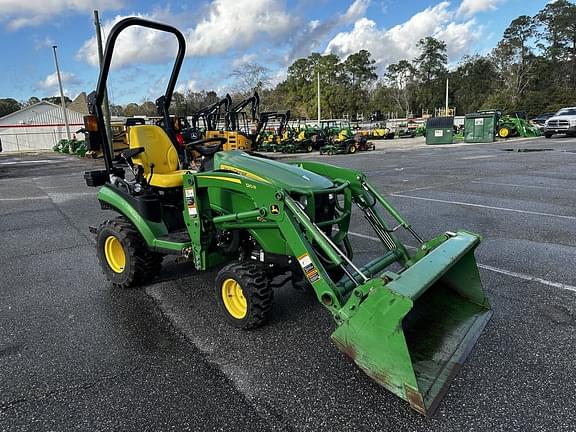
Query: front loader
[(406, 318)]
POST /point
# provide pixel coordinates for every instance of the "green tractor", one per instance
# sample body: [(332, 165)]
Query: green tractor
[(407, 318), (516, 124), (346, 142), (299, 141)]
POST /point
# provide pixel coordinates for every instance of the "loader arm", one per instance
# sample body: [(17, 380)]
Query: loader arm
[(410, 330)]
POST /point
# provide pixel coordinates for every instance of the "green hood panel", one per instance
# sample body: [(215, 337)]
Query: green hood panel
[(284, 176)]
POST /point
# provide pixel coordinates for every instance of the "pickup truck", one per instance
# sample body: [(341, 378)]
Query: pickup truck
[(563, 122)]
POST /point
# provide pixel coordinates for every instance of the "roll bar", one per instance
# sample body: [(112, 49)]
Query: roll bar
[(162, 103)]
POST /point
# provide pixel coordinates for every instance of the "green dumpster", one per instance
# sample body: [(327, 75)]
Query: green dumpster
[(440, 130), (480, 127)]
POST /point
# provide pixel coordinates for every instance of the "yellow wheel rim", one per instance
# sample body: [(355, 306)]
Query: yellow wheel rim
[(233, 298), (504, 132), (353, 149), (114, 253)]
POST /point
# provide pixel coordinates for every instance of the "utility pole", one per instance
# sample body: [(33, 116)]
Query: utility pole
[(105, 107), (446, 112), (318, 98), (62, 100)]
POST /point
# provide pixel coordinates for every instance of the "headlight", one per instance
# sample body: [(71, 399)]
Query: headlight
[(572, 122)]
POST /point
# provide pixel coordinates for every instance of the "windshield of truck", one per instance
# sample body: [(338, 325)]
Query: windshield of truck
[(567, 112)]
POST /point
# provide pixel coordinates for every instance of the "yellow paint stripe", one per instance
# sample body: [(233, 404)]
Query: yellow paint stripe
[(228, 179), (244, 173)]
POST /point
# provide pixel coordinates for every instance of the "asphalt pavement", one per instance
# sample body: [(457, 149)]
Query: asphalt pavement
[(76, 354)]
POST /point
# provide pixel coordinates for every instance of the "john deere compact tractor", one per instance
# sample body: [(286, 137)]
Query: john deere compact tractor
[(407, 318)]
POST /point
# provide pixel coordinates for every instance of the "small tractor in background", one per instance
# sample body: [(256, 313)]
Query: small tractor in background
[(380, 132), (408, 318), (304, 139), (346, 142), (516, 124)]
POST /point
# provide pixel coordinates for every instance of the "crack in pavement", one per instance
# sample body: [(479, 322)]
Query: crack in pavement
[(6, 405)]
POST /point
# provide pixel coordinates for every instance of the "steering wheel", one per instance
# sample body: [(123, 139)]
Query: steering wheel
[(206, 150)]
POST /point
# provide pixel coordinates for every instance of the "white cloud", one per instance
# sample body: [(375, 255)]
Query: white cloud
[(24, 13), (190, 85), (237, 24), (135, 45), (472, 7), (399, 42), (229, 24), (278, 76), (246, 58), (314, 33), (356, 10), (43, 43), (49, 85)]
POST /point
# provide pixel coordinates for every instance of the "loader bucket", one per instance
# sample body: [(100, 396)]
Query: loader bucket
[(412, 334)]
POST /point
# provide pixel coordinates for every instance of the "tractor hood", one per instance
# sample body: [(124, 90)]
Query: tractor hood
[(289, 177)]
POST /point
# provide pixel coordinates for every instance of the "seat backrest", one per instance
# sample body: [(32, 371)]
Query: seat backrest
[(158, 149)]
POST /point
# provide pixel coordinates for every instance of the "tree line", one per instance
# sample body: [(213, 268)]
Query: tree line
[(531, 69)]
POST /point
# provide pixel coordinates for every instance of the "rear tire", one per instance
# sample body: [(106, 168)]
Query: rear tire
[(352, 149), (547, 135), (504, 132), (244, 294), (123, 255)]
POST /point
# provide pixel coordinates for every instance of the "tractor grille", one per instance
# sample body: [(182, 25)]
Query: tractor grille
[(558, 124)]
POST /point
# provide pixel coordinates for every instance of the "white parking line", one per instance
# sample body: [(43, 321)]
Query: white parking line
[(495, 269), (478, 157), (25, 162), (467, 204), (58, 196), (529, 278), (522, 186), (24, 198)]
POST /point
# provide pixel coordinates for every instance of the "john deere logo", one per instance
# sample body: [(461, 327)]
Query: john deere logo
[(274, 209)]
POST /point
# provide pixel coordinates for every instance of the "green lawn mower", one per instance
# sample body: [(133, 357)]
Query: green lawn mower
[(406, 318), (346, 142), (298, 142)]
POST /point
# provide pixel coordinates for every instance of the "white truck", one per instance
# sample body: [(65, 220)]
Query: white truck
[(563, 122)]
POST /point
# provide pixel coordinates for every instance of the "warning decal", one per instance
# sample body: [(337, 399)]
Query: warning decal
[(308, 268), (191, 203)]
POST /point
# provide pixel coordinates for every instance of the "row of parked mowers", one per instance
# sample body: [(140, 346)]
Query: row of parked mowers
[(327, 140), (332, 137)]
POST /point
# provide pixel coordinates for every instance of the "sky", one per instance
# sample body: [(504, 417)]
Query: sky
[(223, 35)]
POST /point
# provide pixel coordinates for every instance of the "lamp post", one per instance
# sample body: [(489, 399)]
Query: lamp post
[(62, 100), (319, 99)]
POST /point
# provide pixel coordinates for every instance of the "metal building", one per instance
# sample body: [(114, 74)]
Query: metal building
[(37, 127)]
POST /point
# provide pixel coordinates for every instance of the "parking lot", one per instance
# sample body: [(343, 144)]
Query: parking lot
[(77, 354)]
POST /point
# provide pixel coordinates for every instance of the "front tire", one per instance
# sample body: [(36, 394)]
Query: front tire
[(244, 294), (547, 135), (123, 255)]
